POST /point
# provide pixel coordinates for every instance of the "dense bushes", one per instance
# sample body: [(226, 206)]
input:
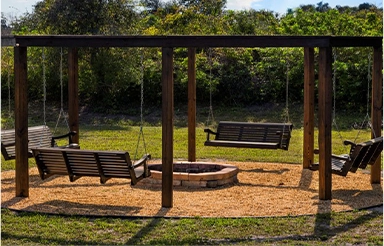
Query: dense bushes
[(110, 77)]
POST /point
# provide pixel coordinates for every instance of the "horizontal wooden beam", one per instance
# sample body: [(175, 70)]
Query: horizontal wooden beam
[(8, 41), (341, 41), (188, 41)]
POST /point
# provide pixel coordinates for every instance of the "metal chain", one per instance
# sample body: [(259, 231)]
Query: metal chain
[(287, 93), (61, 76), (44, 88), (141, 133), (210, 118), (334, 85), (9, 91), (62, 112), (367, 118), (369, 78), (334, 98)]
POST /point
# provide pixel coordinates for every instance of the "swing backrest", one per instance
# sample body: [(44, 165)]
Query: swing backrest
[(252, 135), (38, 136), (366, 153)]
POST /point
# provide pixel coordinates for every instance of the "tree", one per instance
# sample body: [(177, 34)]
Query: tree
[(322, 7), (207, 7)]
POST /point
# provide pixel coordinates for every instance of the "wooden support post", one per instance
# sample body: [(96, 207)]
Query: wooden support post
[(191, 104), (73, 92), (325, 123), (309, 106), (21, 121), (377, 107), (167, 127)]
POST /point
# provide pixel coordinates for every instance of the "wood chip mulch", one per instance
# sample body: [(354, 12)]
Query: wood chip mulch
[(264, 189)]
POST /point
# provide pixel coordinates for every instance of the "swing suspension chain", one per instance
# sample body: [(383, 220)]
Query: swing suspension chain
[(334, 97), (369, 78), (211, 118), (334, 87), (367, 117), (287, 94), (44, 88), (9, 91), (61, 95), (141, 132)]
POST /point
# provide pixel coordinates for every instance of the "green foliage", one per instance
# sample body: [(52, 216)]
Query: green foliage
[(110, 78)]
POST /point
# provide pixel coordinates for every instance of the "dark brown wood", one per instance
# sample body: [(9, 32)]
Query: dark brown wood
[(190, 41), (250, 135), (172, 41), (167, 132), (73, 93), (90, 163), (325, 123), (377, 106), (360, 155), (192, 104), (21, 122), (309, 107), (38, 136), (354, 41)]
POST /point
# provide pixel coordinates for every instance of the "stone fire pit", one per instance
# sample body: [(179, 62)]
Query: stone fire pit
[(195, 174)]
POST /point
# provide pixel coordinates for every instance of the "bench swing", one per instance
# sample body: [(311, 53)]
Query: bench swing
[(76, 163), (360, 155), (249, 134), (38, 136)]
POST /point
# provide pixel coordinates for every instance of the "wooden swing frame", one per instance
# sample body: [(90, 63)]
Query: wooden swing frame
[(167, 44)]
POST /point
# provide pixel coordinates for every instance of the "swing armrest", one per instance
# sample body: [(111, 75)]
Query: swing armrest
[(209, 131), (68, 135), (348, 142), (142, 161)]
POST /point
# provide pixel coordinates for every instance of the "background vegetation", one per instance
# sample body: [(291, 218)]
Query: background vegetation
[(110, 77)]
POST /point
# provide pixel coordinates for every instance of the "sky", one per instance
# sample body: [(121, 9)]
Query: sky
[(18, 7)]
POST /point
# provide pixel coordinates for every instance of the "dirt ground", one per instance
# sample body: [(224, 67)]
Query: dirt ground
[(264, 189)]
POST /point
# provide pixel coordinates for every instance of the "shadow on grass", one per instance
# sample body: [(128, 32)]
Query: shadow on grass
[(147, 229), (43, 240)]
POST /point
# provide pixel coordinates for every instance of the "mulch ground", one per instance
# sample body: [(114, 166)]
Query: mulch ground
[(264, 189)]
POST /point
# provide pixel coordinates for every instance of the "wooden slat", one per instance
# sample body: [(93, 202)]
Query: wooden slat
[(38, 137), (251, 135), (359, 157), (77, 163)]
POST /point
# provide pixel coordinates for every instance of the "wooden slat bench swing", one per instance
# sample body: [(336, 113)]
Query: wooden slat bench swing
[(360, 155), (250, 135), (38, 136), (76, 163)]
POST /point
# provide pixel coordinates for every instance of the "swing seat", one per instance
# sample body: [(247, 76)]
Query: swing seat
[(78, 163), (38, 136), (250, 135), (360, 155)]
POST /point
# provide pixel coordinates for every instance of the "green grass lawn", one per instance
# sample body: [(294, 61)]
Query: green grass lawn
[(346, 228), (354, 227)]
